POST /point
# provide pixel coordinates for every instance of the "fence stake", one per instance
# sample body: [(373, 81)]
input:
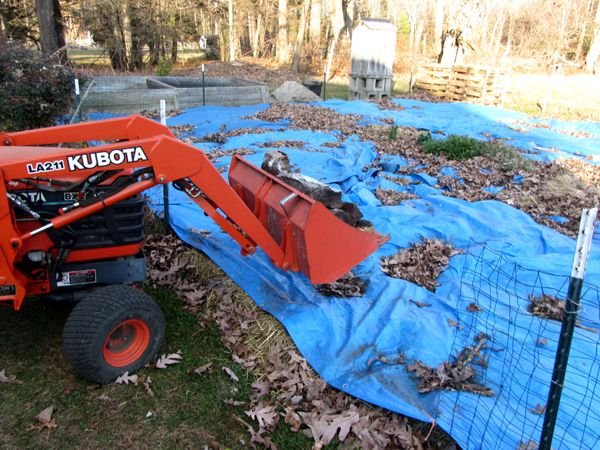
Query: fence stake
[(77, 97), (163, 120), (203, 90), (584, 242)]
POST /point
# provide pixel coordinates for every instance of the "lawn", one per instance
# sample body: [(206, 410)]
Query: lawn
[(183, 410)]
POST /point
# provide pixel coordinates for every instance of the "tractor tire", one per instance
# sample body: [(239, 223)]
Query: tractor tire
[(115, 329)]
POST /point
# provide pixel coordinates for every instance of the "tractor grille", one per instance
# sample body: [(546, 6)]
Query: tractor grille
[(120, 224)]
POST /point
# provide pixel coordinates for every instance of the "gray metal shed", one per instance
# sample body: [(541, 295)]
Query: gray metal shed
[(373, 49)]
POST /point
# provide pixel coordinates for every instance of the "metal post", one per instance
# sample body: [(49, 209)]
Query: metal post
[(324, 90), (203, 89), (163, 120), (78, 99), (584, 242)]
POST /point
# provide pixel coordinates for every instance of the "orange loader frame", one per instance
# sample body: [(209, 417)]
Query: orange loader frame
[(254, 208)]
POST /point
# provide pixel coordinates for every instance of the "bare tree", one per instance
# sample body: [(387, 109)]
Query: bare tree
[(282, 33), (300, 36), (591, 60), (231, 26), (438, 27), (315, 22), (52, 35)]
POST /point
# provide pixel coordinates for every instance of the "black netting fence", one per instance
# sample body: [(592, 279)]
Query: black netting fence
[(508, 327)]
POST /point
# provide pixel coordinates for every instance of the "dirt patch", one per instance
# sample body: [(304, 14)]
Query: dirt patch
[(155, 114), (458, 375), (221, 136), (420, 263), (253, 72), (422, 95), (391, 197), (310, 117), (215, 155), (348, 286)]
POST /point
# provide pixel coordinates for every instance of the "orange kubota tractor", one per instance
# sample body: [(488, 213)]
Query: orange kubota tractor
[(71, 227)]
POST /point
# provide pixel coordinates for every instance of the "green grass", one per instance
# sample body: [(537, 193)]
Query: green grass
[(462, 147), (99, 57), (340, 89), (454, 147), (188, 410)]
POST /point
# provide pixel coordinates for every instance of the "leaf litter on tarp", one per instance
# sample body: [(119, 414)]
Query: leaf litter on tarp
[(457, 375), (349, 285), (421, 263)]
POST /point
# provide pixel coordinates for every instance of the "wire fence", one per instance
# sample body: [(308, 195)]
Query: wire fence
[(517, 313)]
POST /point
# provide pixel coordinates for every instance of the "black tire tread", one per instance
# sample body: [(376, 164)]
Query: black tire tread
[(93, 315)]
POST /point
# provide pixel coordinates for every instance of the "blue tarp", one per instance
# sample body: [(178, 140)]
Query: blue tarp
[(345, 339)]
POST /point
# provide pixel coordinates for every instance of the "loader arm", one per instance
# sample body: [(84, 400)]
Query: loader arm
[(255, 208)]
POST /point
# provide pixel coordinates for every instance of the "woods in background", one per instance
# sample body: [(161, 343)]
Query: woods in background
[(303, 34)]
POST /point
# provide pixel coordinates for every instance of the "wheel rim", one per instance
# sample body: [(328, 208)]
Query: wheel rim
[(126, 343)]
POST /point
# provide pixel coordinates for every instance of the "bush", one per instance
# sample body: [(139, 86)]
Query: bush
[(164, 68), (34, 90)]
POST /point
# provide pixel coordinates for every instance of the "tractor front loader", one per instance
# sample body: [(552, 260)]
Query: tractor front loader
[(71, 226)]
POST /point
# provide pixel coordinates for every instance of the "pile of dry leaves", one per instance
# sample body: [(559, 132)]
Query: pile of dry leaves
[(458, 375), (310, 117), (283, 144), (420, 263), (391, 197)]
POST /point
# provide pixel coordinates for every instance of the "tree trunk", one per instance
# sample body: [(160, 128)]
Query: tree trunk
[(282, 33), (337, 24), (231, 31), (300, 36), (256, 37), (591, 60), (315, 22), (52, 35), (438, 27)]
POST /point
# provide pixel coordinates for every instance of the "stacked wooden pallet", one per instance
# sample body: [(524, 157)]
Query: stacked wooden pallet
[(463, 83)]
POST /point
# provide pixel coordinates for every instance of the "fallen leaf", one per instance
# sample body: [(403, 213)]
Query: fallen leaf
[(205, 368), (103, 397), (325, 427), (12, 379), (126, 379), (168, 360), (46, 415), (257, 436), (539, 409), (232, 402), (45, 420), (266, 416), (232, 375), (147, 387)]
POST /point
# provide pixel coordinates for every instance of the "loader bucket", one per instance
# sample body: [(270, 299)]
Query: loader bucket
[(315, 242)]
